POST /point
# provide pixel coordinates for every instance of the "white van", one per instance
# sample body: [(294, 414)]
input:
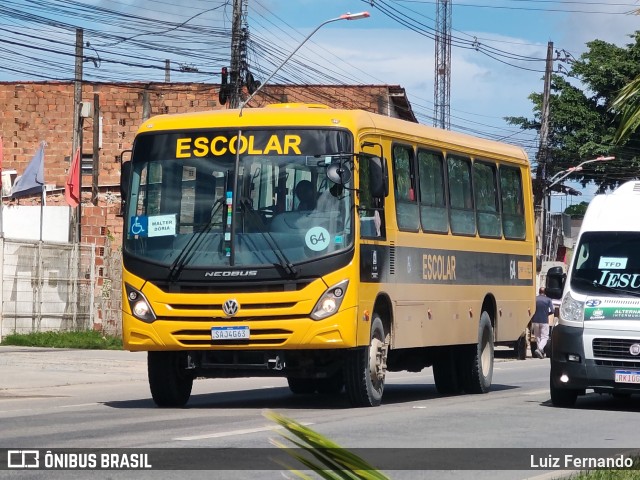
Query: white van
[(596, 343)]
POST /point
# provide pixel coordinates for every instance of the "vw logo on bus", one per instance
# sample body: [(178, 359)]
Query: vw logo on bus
[(230, 307), (635, 349)]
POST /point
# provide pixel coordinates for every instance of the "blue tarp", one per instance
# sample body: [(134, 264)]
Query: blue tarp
[(32, 180)]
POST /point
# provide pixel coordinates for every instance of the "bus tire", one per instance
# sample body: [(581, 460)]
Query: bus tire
[(365, 368), (330, 385), (521, 347), (477, 366), (169, 383), (445, 372), (562, 397), (301, 386)]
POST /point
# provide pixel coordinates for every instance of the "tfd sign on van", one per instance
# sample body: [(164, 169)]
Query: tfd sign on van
[(612, 263)]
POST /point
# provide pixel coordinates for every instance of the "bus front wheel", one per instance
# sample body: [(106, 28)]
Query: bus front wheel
[(365, 368), (169, 382), (477, 370)]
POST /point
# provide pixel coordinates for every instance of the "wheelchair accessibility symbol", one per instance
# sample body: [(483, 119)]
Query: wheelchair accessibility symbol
[(139, 225)]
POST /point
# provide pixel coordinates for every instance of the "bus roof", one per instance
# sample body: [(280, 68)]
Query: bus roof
[(315, 115)]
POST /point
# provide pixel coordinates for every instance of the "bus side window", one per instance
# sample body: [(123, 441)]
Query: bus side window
[(463, 218), (485, 188), (405, 188), (433, 206), (512, 203)]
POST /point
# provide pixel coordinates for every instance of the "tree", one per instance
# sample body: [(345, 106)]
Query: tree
[(577, 210), (583, 122)]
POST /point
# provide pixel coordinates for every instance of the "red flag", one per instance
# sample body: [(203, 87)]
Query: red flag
[(72, 187)]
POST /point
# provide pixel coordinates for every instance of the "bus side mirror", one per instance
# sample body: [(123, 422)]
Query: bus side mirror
[(338, 173), (555, 282), (378, 176), (125, 177)]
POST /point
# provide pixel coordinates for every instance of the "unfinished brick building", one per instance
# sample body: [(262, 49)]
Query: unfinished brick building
[(32, 112)]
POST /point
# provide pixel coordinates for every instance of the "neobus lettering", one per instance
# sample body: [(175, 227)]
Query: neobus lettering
[(624, 280), (439, 267), (203, 146)]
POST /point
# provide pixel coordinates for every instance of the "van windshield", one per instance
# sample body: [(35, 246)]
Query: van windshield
[(607, 259)]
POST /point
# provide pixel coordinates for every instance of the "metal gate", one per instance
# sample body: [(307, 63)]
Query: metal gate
[(47, 286)]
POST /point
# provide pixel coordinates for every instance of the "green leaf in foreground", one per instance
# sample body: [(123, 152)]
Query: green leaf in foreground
[(325, 457)]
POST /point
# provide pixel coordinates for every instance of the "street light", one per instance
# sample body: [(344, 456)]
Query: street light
[(346, 16), (577, 168), (546, 195)]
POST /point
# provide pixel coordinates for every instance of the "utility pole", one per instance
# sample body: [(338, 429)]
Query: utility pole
[(167, 71), (97, 126), (442, 77), (238, 51), (77, 128), (543, 155)]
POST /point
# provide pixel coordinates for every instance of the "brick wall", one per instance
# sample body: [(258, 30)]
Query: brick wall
[(34, 111)]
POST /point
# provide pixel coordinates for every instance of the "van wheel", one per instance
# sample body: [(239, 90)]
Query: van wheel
[(365, 368), (562, 397), (169, 382), (445, 372), (477, 360)]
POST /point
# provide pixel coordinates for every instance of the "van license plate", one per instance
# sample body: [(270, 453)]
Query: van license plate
[(229, 333), (627, 376)]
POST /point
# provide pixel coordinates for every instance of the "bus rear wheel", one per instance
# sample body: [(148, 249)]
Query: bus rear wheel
[(477, 360), (169, 382), (365, 368)]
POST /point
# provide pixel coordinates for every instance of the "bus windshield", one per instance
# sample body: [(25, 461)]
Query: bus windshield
[(607, 262), (218, 198)]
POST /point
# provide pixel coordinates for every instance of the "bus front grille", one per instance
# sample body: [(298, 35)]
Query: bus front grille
[(272, 337)]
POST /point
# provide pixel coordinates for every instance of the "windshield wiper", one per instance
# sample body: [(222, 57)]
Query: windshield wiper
[(186, 253), (593, 283), (283, 261)]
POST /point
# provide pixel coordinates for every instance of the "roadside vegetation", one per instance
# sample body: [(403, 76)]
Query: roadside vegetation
[(89, 339), (610, 474)]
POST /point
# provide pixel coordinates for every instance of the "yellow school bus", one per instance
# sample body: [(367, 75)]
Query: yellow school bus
[(326, 246)]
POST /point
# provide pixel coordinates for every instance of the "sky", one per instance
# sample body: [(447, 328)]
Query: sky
[(497, 56)]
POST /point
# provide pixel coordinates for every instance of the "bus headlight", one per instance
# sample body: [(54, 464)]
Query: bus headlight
[(330, 301), (571, 309), (139, 305)]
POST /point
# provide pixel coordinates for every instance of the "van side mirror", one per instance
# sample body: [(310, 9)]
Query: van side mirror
[(555, 282)]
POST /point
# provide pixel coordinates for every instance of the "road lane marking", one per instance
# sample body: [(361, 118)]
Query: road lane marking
[(536, 392), (232, 433)]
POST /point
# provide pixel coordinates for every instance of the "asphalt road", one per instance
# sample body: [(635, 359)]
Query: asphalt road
[(73, 399)]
